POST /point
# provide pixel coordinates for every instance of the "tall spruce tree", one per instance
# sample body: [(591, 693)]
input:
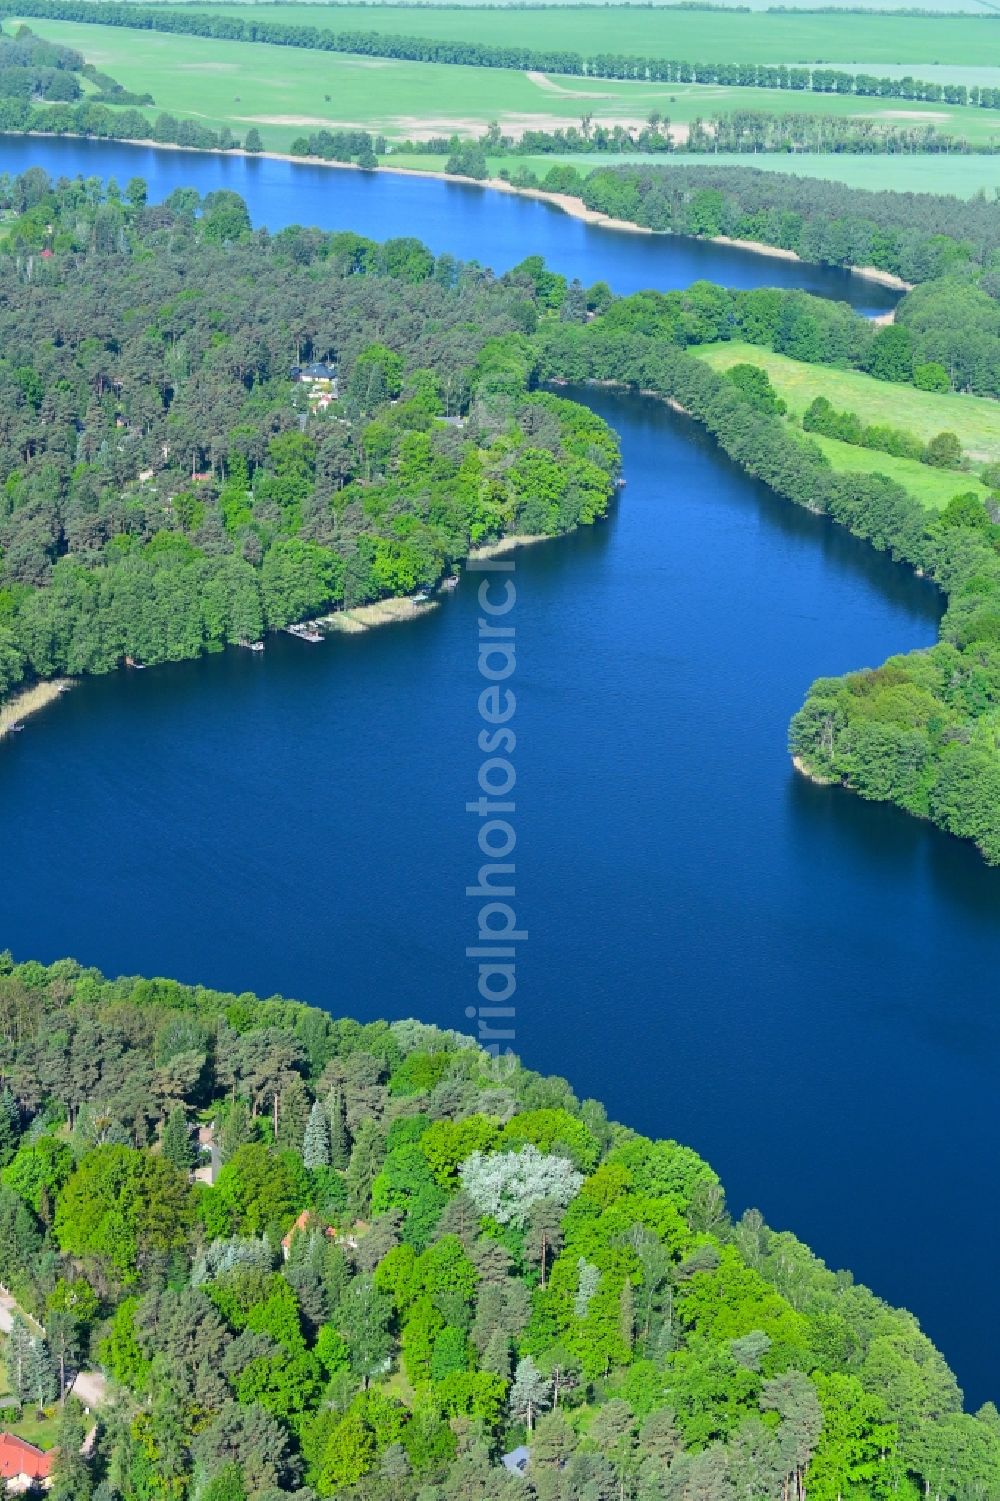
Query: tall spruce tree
[(340, 1141), (10, 1127), (316, 1140), (177, 1144)]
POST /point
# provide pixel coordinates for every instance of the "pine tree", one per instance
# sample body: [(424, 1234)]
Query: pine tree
[(530, 1393), (340, 1141), (19, 1359), (40, 1375), (70, 1473), (496, 1356), (293, 1114), (176, 1142), (366, 1161), (10, 1127), (316, 1141), (237, 1130)]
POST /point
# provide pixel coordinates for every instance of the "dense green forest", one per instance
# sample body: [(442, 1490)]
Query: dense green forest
[(166, 486), (414, 1257), (918, 236)]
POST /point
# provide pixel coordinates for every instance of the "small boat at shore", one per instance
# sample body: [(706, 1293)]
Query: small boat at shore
[(252, 645), (16, 729), (451, 582), (303, 633), (423, 598)]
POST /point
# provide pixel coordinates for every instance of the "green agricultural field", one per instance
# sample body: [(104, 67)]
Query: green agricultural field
[(287, 91), (707, 35), (932, 487), (962, 176), (974, 419)]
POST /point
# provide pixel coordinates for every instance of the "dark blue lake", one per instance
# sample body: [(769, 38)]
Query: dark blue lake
[(496, 229), (799, 984)]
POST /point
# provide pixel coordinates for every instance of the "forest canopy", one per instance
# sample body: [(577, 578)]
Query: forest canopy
[(173, 479), (321, 1257)]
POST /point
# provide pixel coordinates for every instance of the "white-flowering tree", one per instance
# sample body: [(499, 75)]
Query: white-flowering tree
[(505, 1185)]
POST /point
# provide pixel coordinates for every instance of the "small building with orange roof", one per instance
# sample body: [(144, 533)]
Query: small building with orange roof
[(22, 1466)]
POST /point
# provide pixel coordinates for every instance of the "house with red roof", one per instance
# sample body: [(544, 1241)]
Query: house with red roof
[(305, 1222), (22, 1466)]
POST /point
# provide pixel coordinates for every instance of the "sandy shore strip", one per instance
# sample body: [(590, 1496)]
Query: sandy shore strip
[(505, 544), (812, 776), (367, 617), (575, 207), (29, 701), (389, 611)]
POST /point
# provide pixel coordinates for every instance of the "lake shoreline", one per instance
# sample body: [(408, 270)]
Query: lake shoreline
[(510, 544), (813, 776), (27, 701), (569, 203), (360, 618)]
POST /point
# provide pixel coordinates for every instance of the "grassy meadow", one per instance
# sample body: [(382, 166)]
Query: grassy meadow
[(707, 35), (975, 420), (932, 487), (287, 91)]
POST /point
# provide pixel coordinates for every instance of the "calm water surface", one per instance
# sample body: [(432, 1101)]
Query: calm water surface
[(798, 983), (497, 229)]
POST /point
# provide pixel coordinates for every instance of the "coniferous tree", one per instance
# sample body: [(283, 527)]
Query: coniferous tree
[(10, 1127), (236, 1130), (177, 1144), (367, 1156), (293, 1115), (340, 1141), (316, 1140), (530, 1394), (39, 1374), (497, 1355), (19, 1358), (71, 1478)]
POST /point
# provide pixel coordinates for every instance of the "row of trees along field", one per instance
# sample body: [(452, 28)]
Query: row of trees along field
[(34, 69), (166, 487), (821, 80), (414, 1258), (742, 130), (922, 730)]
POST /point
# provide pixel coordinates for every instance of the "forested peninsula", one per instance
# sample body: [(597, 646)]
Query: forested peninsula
[(315, 1257), (207, 433), (253, 430)]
